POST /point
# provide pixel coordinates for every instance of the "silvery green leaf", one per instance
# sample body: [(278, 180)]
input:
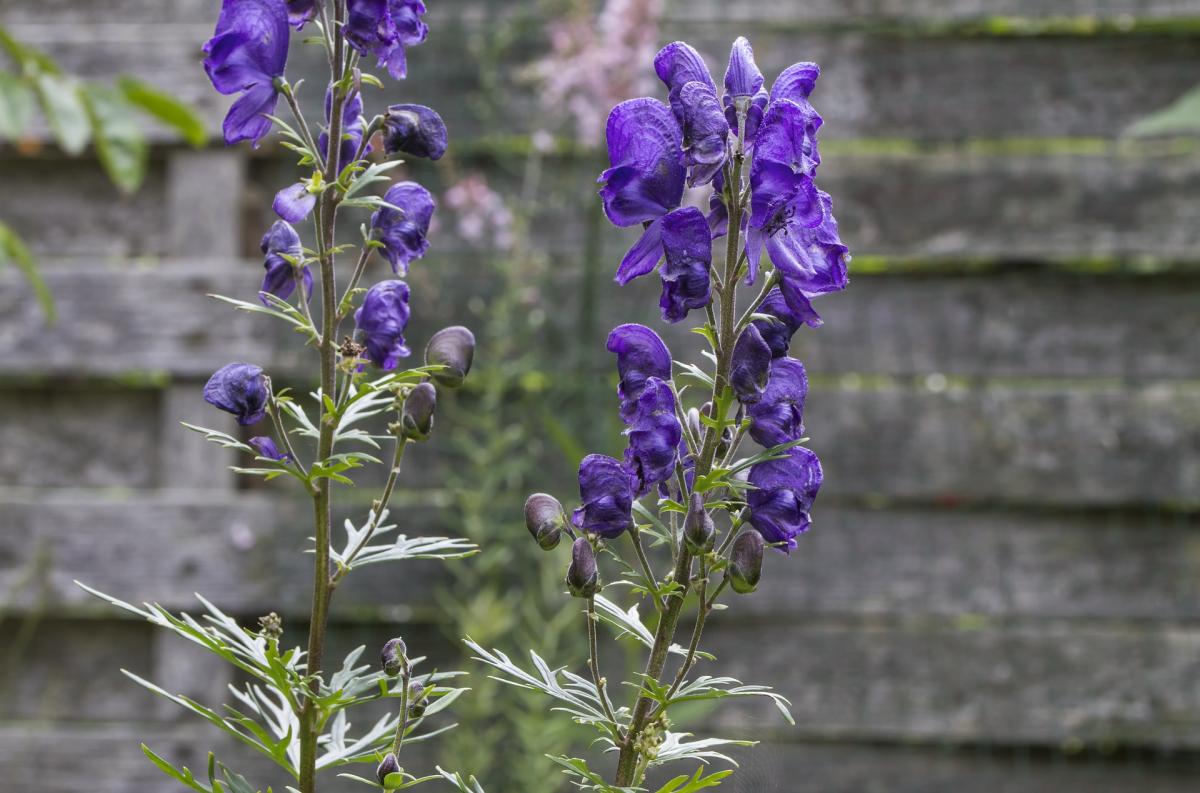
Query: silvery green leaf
[(580, 699), (403, 548), (629, 623), (587, 779), (706, 687), (469, 785), (674, 747), (686, 784), (371, 176)]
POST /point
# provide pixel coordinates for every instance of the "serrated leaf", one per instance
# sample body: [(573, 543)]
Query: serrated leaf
[(166, 108)]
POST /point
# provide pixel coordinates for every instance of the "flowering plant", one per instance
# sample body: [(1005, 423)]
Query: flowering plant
[(681, 488), (294, 709)]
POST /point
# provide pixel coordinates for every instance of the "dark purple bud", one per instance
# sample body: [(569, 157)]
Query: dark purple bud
[(687, 244), (265, 447), (745, 562), (698, 529), (386, 28), (641, 354), (454, 349), (583, 577), (417, 701), (705, 131), (354, 126), (403, 230), (779, 416), (381, 319), (778, 332), (654, 436), (394, 657), (280, 243), (604, 489), (751, 366), (783, 496), (390, 765), (247, 52), (545, 519), (742, 78), (240, 389), (414, 129), (416, 421)]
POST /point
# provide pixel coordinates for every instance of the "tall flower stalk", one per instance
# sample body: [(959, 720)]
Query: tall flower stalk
[(697, 515), (295, 709)]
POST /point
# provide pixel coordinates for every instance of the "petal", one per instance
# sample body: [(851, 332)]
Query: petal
[(643, 256), (796, 82), (646, 179), (247, 118), (679, 63), (294, 203), (742, 77)]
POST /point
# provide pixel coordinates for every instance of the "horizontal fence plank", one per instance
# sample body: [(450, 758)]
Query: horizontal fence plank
[(243, 553), (866, 12)]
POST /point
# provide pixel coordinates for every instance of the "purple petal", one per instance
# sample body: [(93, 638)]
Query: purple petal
[(403, 231), (606, 496), (687, 243), (778, 417), (414, 129), (751, 366), (742, 77), (382, 319), (796, 82), (247, 118), (294, 203), (642, 257), (641, 354), (646, 179), (240, 389)]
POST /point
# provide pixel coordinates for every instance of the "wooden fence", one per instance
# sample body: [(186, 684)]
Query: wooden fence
[(1002, 591)]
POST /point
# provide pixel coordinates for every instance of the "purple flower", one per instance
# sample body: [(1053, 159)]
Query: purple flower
[(414, 129), (784, 494), (778, 417), (796, 82), (294, 202), (800, 301), (646, 177), (246, 53), (654, 437), (778, 333), (402, 231), (353, 127), (693, 98), (240, 389), (606, 496), (678, 64), (744, 82), (386, 28), (641, 355), (265, 447), (301, 12), (281, 241), (687, 243), (381, 319), (751, 366)]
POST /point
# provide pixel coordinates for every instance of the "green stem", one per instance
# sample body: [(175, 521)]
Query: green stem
[(594, 665), (636, 536), (376, 512)]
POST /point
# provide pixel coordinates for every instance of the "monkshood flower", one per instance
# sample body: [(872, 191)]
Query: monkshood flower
[(265, 446), (453, 349), (583, 576), (751, 366), (301, 12), (654, 437), (606, 495), (744, 87), (784, 495), (402, 230), (381, 319), (778, 332), (693, 98), (645, 180), (295, 202), (778, 417), (386, 28), (687, 245), (414, 129), (240, 389), (641, 354), (246, 54), (282, 240)]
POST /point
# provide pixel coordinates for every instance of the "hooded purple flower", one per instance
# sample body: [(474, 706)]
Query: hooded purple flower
[(414, 129), (687, 244), (744, 83), (654, 437), (693, 97), (786, 489), (386, 28), (403, 232), (265, 446), (779, 416), (641, 355), (240, 389), (282, 240), (246, 53), (751, 366), (301, 12), (646, 179), (606, 496), (381, 319), (777, 333)]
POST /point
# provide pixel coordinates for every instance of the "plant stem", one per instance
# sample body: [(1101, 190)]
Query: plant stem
[(594, 665), (636, 536), (376, 512)]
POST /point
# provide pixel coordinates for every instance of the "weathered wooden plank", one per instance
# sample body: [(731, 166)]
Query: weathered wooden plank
[(860, 12), (1045, 683), (74, 437), (204, 194), (243, 553)]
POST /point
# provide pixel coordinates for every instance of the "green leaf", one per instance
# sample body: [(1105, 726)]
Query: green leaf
[(180, 774), (65, 110), (685, 784), (1182, 117), (165, 108), (119, 141), (14, 252), (17, 103)]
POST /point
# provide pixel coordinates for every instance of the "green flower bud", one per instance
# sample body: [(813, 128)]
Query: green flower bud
[(698, 527), (394, 657), (416, 421), (417, 702), (745, 562), (453, 348), (545, 520), (583, 577)]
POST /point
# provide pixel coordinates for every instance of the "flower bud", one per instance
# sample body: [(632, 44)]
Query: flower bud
[(545, 520), (454, 349), (414, 129), (583, 578), (417, 701), (416, 421), (390, 765), (698, 527), (394, 657), (695, 427), (745, 562)]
